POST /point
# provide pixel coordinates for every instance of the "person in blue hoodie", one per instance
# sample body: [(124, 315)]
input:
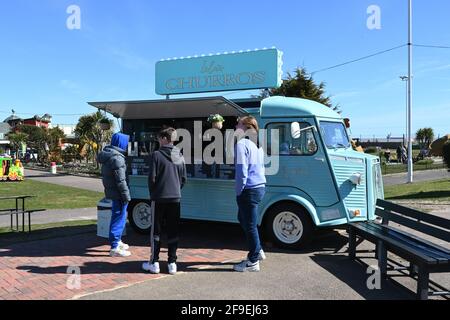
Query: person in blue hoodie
[(114, 178), (250, 189)]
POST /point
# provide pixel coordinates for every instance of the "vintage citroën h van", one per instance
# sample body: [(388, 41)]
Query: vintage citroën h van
[(319, 180)]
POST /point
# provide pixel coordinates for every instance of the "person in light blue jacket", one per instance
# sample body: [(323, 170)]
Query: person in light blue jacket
[(250, 190), (114, 178)]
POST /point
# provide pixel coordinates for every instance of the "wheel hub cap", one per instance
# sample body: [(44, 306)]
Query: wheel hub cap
[(288, 227)]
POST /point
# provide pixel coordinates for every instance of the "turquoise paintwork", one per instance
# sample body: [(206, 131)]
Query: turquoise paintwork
[(256, 69), (318, 182), (274, 107)]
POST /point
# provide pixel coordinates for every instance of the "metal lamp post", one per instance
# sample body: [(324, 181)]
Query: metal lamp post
[(405, 134), (410, 40)]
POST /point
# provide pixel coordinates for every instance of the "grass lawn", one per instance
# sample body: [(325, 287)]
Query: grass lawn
[(48, 196), (438, 190)]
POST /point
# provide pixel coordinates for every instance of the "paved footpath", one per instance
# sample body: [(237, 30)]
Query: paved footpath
[(418, 176), (39, 269), (87, 183), (42, 270)]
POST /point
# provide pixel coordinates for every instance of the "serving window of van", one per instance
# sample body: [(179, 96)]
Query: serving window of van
[(144, 142), (280, 134)]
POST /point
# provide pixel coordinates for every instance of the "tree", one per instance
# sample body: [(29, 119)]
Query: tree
[(17, 140), (71, 153), (425, 137), (91, 135), (302, 85), (37, 139), (45, 141), (54, 137), (446, 154)]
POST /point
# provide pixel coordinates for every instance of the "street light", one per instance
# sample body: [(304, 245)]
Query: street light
[(410, 66), (405, 79)]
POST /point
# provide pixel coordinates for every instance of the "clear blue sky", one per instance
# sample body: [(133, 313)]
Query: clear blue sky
[(46, 68)]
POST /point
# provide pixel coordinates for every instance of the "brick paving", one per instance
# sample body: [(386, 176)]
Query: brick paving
[(38, 270)]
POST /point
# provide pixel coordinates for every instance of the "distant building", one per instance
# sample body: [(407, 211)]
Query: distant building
[(68, 129), (384, 143), (69, 132), (5, 128), (38, 121), (13, 120)]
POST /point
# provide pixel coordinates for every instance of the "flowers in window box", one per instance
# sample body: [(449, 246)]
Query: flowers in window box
[(216, 121), (105, 123)]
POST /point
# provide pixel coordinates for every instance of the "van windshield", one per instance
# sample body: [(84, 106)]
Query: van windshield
[(334, 134)]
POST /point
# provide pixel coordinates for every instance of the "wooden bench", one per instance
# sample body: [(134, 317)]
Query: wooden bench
[(425, 257)]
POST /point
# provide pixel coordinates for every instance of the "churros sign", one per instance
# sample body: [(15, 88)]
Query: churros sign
[(245, 70)]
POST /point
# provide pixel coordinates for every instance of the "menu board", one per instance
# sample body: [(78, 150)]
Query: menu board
[(214, 171), (138, 166)]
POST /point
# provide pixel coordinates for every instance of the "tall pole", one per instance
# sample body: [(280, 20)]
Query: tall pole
[(410, 40), (405, 133)]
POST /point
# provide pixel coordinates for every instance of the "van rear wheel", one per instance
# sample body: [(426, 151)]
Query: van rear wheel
[(289, 226), (140, 216)]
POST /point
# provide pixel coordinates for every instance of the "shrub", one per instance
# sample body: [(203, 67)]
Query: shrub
[(427, 162), (446, 153), (372, 150)]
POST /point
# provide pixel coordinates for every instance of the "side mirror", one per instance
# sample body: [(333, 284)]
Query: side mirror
[(295, 130)]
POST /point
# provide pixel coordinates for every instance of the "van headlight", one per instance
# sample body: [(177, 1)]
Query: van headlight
[(354, 213)]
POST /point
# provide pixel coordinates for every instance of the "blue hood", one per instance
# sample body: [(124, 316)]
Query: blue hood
[(120, 141)]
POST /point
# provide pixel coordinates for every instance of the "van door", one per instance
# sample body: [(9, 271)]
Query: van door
[(302, 161)]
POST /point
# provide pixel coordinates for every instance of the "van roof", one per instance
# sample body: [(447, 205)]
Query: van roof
[(295, 107)]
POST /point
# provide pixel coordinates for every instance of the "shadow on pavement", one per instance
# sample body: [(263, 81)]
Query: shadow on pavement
[(196, 238), (83, 241), (356, 275), (127, 267)]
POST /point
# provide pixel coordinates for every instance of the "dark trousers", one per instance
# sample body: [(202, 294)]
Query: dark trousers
[(165, 217), (248, 203)]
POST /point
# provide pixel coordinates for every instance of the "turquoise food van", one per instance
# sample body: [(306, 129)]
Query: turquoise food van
[(320, 180)]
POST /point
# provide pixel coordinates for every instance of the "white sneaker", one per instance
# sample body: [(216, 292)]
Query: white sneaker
[(262, 255), (246, 266), (151, 267), (119, 252), (123, 246), (172, 268)]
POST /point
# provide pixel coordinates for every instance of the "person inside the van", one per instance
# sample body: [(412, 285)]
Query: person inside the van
[(284, 148), (114, 180), (166, 179), (250, 189)]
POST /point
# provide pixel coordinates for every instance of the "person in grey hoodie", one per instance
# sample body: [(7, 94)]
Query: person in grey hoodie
[(166, 179), (114, 179)]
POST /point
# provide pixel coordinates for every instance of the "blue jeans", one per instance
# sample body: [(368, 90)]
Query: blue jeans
[(118, 221), (248, 203)]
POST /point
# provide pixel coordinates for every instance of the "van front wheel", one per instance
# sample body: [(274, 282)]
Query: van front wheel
[(289, 226), (140, 216)]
